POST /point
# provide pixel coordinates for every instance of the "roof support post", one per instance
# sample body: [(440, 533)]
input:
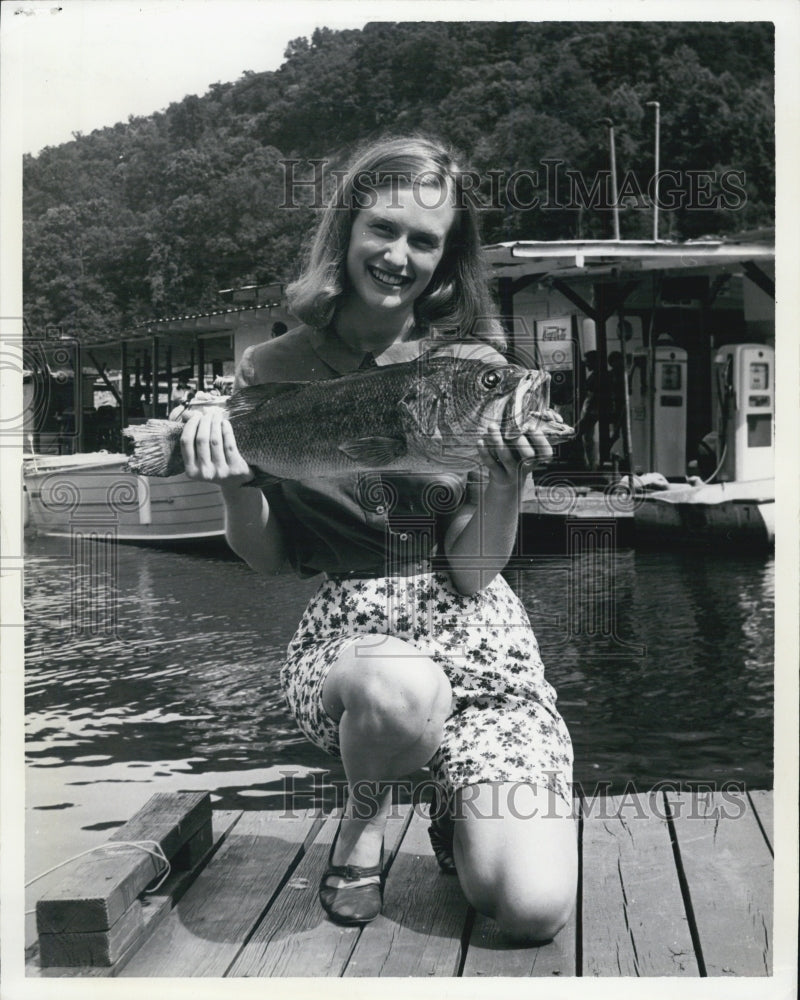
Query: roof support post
[(123, 384), (505, 292)]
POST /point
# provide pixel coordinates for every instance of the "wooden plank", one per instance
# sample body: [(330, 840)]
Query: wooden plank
[(296, 938), (729, 874), (93, 947), (634, 919), (154, 909), (419, 931), (205, 931), (491, 954), (100, 888), (761, 800)]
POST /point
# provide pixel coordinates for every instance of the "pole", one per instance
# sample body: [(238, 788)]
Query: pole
[(124, 387), (657, 106), (168, 374), (615, 205), (154, 381), (626, 403)]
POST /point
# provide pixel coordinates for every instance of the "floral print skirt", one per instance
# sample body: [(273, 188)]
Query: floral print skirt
[(504, 724)]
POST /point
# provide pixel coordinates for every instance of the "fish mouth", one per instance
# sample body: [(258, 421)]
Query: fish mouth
[(387, 279), (523, 402)]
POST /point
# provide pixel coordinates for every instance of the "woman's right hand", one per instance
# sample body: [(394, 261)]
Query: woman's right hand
[(209, 449)]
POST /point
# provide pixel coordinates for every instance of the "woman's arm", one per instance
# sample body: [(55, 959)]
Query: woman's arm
[(210, 455), (480, 538)]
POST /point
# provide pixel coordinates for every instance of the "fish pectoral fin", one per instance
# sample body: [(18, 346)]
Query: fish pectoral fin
[(373, 451)]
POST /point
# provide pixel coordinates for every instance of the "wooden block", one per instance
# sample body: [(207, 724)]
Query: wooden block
[(728, 871), (296, 938), (93, 947), (99, 888), (194, 850), (424, 914), (634, 918), (207, 928), (170, 818), (155, 909)]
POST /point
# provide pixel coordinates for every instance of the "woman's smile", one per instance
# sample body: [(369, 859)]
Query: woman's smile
[(386, 278)]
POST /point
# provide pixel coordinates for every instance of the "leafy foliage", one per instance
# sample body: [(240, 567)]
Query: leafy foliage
[(153, 216)]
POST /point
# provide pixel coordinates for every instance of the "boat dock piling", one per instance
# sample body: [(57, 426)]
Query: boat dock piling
[(671, 884)]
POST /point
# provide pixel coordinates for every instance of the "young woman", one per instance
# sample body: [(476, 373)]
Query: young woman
[(414, 650)]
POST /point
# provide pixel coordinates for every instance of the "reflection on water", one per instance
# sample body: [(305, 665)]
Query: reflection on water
[(157, 671)]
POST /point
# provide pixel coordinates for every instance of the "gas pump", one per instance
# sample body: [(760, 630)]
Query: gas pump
[(744, 409), (658, 412)]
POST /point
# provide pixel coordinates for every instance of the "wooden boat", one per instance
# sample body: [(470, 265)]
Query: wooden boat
[(94, 493), (742, 513), (89, 486)]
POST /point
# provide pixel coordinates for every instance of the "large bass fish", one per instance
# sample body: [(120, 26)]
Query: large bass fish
[(417, 416)]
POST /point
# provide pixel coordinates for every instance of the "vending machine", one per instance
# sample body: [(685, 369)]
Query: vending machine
[(556, 352), (658, 410), (744, 412)]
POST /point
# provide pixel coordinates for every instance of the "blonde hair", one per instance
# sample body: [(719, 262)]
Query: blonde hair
[(457, 298)]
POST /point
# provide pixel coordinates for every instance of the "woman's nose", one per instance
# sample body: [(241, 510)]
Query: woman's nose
[(396, 252)]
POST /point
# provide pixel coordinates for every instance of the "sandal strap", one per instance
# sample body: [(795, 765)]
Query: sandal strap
[(353, 872)]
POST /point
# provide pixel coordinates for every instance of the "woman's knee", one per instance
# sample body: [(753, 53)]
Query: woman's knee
[(536, 914), (391, 686)]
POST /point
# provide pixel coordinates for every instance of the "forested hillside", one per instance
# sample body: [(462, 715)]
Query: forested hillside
[(152, 217)]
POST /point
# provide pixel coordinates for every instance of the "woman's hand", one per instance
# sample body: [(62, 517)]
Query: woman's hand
[(209, 449), (509, 462)]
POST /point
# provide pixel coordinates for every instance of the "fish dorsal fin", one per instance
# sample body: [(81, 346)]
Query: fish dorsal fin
[(373, 451), (263, 479), (250, 397)]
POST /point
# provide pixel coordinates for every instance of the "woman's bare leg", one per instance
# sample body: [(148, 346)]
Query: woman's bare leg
[(516, 854), (391, 702)]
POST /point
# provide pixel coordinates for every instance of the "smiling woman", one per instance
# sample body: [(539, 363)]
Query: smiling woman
[(414, 650), (434, 195)]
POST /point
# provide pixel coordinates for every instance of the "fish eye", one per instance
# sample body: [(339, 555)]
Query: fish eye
[(490, 379)]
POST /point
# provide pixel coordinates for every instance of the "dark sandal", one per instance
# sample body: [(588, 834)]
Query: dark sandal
[(441, 832), (351, 904)]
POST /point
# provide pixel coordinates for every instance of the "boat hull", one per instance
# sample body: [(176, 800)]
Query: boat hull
[(96, 494), (735, 514)]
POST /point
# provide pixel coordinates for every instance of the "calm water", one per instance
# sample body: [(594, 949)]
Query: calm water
[(151, 670)]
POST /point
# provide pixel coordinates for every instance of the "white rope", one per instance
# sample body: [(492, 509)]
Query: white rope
[(156, 851)]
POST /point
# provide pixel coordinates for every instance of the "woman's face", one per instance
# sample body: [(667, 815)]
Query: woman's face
[(396, 245)]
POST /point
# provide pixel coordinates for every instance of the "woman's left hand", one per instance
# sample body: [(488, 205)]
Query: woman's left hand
[(509, 462)]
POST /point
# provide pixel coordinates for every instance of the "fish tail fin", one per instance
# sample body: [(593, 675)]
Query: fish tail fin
[(156, 448)]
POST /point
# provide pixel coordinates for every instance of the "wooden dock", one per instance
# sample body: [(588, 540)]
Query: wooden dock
[(670, 884)]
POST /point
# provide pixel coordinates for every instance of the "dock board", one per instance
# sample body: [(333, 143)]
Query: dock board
[(671, 885)]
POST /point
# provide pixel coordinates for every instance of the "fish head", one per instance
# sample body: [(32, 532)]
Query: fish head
[(454, 400)]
